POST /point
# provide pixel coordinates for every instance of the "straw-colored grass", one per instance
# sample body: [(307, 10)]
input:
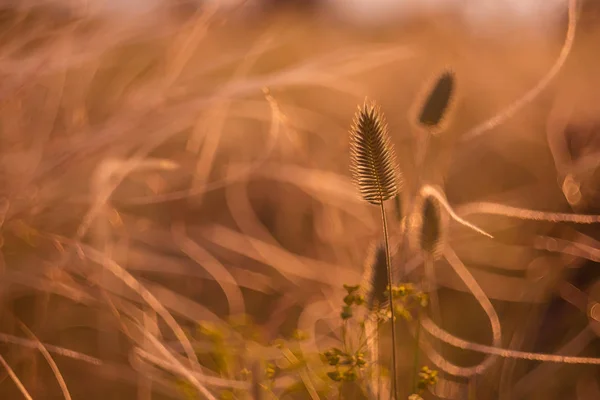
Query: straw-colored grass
[(178, 219)]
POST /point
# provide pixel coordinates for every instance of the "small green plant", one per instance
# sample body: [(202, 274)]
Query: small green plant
[(236, 352), (357, 360), (426, 379), (347, 362)]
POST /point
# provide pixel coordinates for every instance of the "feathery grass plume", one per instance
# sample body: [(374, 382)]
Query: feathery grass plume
[(372, 157), (376, 174), (436, 104)]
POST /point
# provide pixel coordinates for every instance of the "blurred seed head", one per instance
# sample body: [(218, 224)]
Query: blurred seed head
[(372, 157), (428, 227), (375, 277), (436, 104)]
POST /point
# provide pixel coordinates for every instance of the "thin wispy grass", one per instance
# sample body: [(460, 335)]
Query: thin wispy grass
[(525, 214), (13, 376), (529, 96), (501, 352), (80, 163), (48, 357)]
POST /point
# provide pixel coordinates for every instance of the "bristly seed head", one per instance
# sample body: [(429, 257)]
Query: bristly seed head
[(372, 158), (438, 101), (431, 227), (375, 279)]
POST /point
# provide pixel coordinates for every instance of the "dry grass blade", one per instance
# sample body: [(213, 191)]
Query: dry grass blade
[(446, 337), (179, 367), (526, 214), (430, 191), (129, 280), (31, 344), (15, 379), (438, 101), (482, 298), (50, 360), (372, 158), (221, 275), (534, 92)]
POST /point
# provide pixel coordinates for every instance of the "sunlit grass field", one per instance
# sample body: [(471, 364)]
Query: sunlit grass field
[(178, 219)]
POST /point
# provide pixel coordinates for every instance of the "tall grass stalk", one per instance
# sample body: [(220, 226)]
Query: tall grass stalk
[(375, 173)]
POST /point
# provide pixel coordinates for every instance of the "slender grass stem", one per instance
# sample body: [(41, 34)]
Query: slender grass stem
[(378, 369), (345, 336), (416, 359), (394, 392), (430, 283)]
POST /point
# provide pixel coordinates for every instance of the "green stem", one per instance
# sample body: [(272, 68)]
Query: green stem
[(394, 392)]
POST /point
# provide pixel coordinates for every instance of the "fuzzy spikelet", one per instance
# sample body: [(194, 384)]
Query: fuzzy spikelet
[(438, 101), (375, 280), (430, 239), (372, 158)]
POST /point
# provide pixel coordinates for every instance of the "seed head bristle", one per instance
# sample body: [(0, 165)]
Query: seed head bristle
[(372, 158), (375, 279), (431, 232), (438, 101)]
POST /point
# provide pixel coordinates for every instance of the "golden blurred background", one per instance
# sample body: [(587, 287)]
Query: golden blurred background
[(192, 162)]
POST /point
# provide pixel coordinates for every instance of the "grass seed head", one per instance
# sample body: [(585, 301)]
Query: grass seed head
[(375, 280), (431, 227), (438, 101), (372, 157), (428, 223)]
